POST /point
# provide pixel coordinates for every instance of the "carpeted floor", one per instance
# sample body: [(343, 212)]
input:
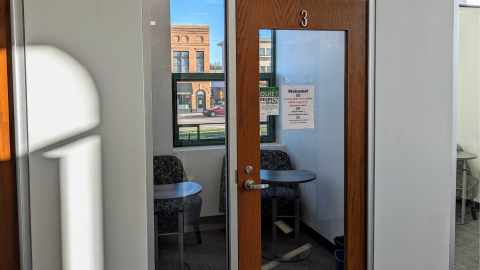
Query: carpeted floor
[(211, 254), (467, 242), (319, 258)]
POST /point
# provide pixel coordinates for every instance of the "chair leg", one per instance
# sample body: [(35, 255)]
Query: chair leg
[(197, 232), (474, 211)]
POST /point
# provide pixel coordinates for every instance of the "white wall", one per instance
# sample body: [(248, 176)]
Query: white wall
[(320, 54), (85, 61), (161, 78), (468, 110), (413, 133)]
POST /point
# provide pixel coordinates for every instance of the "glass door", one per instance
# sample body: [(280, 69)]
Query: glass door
[(189, 120), (301, 140), (302, 210)]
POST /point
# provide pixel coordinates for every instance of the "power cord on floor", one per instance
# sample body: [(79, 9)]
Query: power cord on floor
[(465, 223), (460, 224)]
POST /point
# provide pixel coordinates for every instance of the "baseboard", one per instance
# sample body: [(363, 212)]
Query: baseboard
[(317, 237), (222, 219)]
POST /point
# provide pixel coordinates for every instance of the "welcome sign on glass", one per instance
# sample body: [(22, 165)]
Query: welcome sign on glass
[(297, 107)]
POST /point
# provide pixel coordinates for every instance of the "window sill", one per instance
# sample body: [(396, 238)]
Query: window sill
[(219, 147), (198, 148)]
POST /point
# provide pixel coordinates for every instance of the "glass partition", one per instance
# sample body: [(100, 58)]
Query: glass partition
[(189, 108), (467, 238), (302, 92)]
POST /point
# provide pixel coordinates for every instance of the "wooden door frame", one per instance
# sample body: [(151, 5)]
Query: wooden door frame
[(350, 16), (9, 245)]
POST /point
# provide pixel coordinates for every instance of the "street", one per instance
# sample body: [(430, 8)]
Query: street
[(199, 118)]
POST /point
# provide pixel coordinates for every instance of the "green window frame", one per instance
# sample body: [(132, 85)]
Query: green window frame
[(185, 77), (197, 141)]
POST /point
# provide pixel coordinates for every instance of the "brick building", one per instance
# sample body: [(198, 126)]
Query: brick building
[(191, 54)]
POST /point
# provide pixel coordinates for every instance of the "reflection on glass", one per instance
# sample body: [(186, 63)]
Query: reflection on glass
[(467, 238), (189, 88), (302, 210)]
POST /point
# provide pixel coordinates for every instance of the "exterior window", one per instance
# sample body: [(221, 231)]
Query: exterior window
[(199, 108), (180, 62), (200, 62), (199, 118)]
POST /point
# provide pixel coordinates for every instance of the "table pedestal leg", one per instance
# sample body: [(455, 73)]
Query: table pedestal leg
[(180, 233), (464, 190), (157, 264), (274, 220), (297, 214), (270, 251)]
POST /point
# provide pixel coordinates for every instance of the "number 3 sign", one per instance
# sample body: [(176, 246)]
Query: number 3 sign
[(304, 14)]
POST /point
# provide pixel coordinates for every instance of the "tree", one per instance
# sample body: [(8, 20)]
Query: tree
[(217, 65)]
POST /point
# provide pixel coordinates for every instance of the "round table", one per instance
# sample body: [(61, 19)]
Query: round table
[(294, 177), (464, 156), (172, 192)]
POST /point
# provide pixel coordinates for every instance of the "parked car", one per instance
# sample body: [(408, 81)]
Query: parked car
[(220, 109)]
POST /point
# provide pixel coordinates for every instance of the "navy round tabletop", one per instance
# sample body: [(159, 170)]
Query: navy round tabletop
[(287, 176), (176, 191)]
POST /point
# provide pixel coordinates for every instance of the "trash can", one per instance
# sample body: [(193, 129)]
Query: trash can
[(339, 259)]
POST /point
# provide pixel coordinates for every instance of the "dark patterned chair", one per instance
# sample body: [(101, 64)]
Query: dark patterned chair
[(269, 160), (169, 170), (223, 189), (472, 184)]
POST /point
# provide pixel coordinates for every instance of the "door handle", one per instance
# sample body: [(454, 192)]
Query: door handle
[(249, 185)]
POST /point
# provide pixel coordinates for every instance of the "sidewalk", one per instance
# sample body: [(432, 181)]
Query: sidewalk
[(186, 115)]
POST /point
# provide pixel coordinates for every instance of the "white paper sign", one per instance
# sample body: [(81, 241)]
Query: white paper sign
[(297, 106)]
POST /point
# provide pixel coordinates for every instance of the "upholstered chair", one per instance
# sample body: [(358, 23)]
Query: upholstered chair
[(169, 170), (472, 184)]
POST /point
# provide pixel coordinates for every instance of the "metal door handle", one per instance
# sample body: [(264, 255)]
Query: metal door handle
[(249, 185)]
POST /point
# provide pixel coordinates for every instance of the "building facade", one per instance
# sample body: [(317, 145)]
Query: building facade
[(265, 55), (191, 54)]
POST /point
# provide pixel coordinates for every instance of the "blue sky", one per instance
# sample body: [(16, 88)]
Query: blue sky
[(205, 12), (202, 12)]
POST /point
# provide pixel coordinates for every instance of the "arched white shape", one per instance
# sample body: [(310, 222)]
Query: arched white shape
[(62, 99)]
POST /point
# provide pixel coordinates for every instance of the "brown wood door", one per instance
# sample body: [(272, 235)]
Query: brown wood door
[(9, 245), (349, 16)]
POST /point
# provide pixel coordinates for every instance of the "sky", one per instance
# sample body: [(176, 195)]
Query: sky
[(202, 12)]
